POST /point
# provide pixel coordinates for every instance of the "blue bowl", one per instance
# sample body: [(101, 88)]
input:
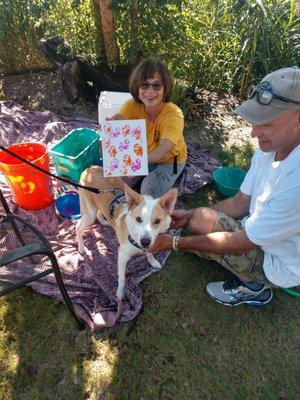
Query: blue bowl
[(228, 180), (68, 205)]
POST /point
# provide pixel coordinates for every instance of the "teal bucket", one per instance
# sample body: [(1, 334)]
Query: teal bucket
[(228, 180), (78, 150)]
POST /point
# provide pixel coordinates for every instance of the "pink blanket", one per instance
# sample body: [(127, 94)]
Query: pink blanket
[(91, 281)]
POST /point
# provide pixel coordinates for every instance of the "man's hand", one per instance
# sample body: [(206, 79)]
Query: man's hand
[(163, 242), (181, 218)]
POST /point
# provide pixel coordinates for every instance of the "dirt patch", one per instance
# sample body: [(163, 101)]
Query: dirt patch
[(214, 119), (41, 91), (211, 120)]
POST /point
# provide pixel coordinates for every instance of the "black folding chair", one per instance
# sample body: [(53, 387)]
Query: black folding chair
[(27, 256)]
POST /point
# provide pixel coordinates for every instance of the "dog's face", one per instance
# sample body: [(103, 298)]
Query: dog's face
[(147, 217)]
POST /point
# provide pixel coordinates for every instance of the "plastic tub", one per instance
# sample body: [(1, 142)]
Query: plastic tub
[(31, 189), (68, 206), (78, 150), (110, 102), (228, 180)]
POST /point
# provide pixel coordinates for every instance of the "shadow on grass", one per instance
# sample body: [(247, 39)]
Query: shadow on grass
[(214, 138), (41, 350), (181, 346), (185, 346)]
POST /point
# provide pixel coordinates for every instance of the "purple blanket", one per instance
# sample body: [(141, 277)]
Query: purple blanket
[(91, 281)]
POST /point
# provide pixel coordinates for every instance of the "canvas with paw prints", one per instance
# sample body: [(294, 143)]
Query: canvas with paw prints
[(124, 148)]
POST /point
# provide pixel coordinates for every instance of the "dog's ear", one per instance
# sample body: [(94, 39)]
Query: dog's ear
[(168, 200), (132, 197)]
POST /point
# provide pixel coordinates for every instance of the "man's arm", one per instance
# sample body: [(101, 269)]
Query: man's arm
[(215, 242), (234, 207), (218, 243)]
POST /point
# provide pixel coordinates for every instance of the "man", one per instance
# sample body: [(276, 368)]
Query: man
[(256, 234)]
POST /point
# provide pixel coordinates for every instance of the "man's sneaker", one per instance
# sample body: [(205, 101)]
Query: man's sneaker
[(234, 292)]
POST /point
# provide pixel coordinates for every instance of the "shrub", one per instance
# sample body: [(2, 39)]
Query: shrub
[(218, 45)]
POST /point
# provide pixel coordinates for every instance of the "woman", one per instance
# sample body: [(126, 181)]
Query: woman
[(150, 85)]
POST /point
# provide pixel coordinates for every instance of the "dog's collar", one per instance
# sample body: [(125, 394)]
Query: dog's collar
[(133, 242), (120, 198)]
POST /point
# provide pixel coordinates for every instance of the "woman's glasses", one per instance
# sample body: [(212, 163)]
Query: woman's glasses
[(264, 94), (155, 86)]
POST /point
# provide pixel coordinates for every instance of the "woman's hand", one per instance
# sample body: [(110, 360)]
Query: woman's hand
[(163, 242), (114, 117)]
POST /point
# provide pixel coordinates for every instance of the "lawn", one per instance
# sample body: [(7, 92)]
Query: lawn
[(181, 346)]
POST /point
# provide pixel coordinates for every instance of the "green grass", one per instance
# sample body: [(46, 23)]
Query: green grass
[(181, 346), (2, 96)]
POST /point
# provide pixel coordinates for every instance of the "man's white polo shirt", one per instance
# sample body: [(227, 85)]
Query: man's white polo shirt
[(274, 220)]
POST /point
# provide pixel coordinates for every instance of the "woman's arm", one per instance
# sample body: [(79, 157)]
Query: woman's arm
[(157, 155)]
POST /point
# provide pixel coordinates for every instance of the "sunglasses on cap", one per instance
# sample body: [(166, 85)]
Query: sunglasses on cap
[(264, 94), (155, 86)]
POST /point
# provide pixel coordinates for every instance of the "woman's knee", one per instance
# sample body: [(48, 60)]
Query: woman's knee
[(202, 221), (154, 186)]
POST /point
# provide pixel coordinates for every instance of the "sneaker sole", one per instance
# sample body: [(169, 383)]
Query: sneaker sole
[(251, 303)]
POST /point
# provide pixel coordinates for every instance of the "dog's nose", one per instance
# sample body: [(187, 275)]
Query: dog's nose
[(145, 241)]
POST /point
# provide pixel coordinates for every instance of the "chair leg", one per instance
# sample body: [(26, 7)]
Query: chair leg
[(61, 285), (13, 223), (4, 203), (48, 252)]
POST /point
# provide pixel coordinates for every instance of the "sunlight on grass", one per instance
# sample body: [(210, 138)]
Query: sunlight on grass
[(182, 345), (239, 157), (2, 96), (9, 357), (99, 370)]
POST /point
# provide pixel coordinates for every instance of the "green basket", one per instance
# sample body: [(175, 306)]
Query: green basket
[(228, 180), (78, 150)]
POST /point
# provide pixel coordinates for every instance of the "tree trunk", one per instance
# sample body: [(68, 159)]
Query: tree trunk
[(108, 29), (134, 17), (80, 79), (100, 48)]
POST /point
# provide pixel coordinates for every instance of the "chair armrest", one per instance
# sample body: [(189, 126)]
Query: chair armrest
[(22, 252)]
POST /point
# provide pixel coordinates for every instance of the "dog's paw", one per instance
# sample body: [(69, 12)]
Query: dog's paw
[(153, 262), (84, 250), (120, 294)]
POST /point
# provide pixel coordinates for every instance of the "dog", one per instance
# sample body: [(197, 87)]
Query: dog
[(137, 219)]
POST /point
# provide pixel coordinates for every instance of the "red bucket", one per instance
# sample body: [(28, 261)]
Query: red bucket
[(31, 189)]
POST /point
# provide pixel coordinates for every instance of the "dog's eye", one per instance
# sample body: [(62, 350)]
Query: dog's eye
[(157, 221), (138, 219)]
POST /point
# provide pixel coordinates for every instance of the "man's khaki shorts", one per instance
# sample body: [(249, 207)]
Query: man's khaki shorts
[(250, 263)]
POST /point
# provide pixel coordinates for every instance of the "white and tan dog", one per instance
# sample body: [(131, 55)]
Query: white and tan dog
[(137, 221)]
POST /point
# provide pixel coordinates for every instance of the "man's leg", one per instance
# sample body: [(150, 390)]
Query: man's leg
[(203, 220), (251, 287)]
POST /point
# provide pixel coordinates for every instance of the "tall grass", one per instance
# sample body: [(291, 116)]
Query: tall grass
[(269, 33), (19, 36), (219, 45), (24, 23)]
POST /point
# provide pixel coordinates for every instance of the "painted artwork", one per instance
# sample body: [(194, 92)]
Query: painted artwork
[(124, 148)]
